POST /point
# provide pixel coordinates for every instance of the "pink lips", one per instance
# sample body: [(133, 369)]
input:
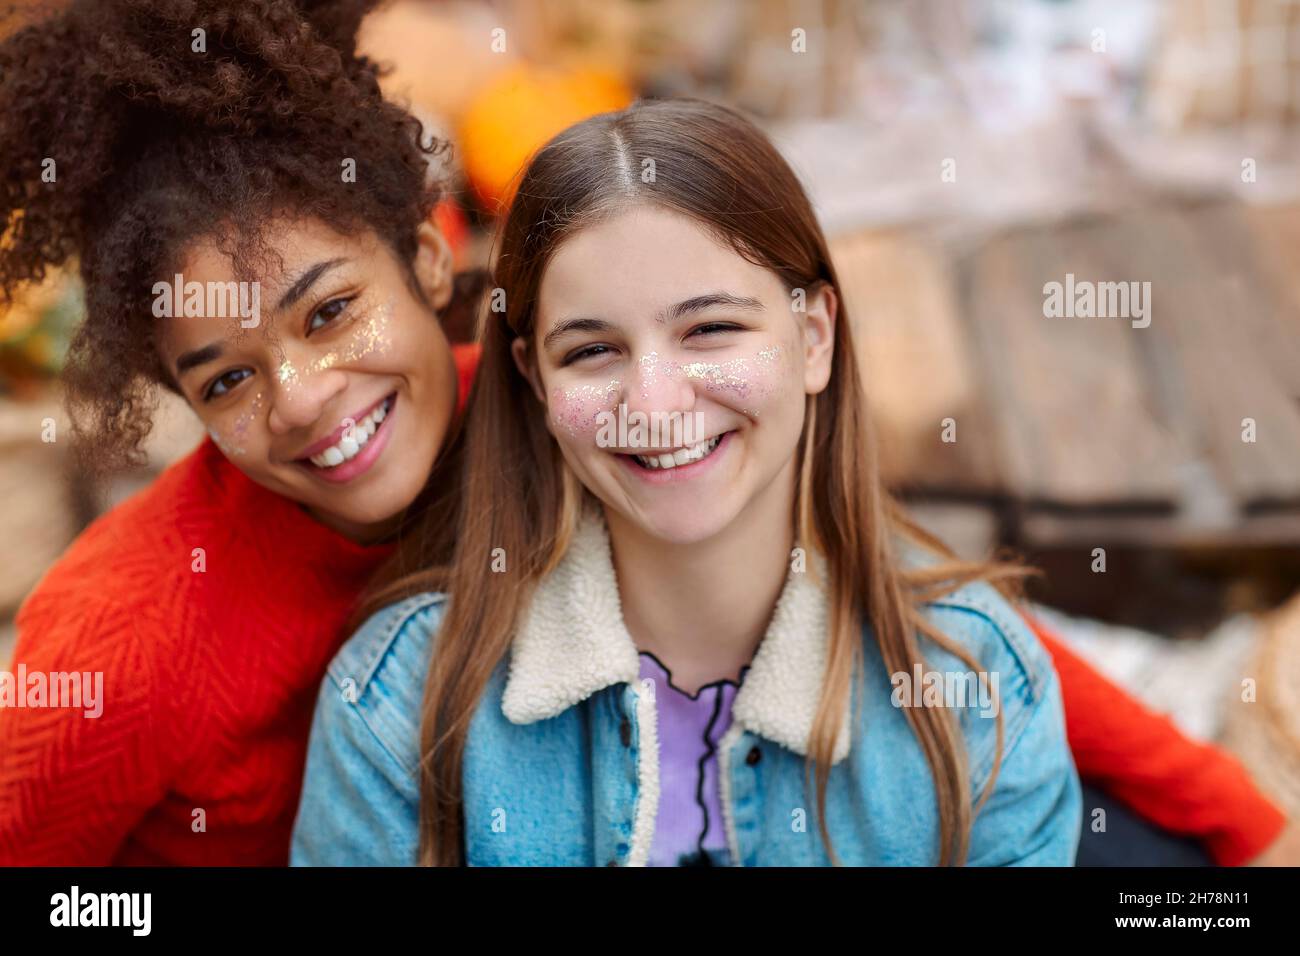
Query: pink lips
[(335, 436), (364, 459), (667, 476)]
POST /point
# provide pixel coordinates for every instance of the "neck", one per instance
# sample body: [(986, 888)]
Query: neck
[(355, 531), (703, 608)]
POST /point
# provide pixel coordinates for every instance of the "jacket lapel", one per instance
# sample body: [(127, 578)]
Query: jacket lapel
[(572, 642)]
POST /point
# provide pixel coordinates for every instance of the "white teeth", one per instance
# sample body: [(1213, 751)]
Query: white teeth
[(683, 456), (353, 440)]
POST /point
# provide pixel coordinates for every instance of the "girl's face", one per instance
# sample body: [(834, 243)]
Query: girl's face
[(648, 310), (340, 395)]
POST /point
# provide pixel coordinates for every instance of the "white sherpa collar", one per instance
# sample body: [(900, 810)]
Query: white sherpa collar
[(572, 643)]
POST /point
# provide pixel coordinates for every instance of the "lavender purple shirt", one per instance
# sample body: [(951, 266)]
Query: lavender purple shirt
[(689, 829)]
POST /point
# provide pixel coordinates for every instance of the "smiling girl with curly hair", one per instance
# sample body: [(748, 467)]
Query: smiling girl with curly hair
[(149, 142)]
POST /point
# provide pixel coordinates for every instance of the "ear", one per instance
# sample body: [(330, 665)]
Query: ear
[(527, 367), (822, 311), (433, 266)]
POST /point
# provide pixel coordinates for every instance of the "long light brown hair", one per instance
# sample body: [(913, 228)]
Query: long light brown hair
[(714, 166)]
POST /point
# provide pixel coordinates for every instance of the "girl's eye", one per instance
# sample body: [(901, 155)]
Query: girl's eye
[(326, 314), (585, 352), (224, 382), (714, 328)]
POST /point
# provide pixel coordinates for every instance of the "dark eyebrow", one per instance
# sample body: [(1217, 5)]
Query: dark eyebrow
[(701, 302), (305, 282), (203, 356), (575, 325)]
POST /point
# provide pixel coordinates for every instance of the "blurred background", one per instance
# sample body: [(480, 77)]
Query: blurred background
[(961, 155)]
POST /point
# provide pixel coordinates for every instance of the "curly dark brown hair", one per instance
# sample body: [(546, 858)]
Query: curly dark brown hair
[(156, 144)]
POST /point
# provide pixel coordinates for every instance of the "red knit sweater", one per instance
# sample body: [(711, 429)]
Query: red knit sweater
[(210, 680), (209, 677)]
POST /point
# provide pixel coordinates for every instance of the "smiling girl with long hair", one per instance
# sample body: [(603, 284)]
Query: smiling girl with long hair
[(728, 647)]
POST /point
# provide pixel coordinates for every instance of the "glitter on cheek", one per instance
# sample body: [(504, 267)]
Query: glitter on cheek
[(744, 379), (728, 377), (233, 446), (287, 375), (226, 448), (373, 337), (247, 417), (577, 409)]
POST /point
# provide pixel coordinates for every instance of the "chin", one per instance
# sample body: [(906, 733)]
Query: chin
[(374, 505), (686, 525)]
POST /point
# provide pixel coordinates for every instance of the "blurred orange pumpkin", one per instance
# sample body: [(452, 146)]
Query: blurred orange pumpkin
[(518, 111)]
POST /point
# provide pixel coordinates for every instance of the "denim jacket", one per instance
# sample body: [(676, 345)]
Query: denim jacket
[(561, 767)]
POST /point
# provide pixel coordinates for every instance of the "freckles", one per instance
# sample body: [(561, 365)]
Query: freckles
[(576, 409)]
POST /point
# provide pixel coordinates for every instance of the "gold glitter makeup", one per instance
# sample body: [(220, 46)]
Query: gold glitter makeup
[(743, 378), (286, 373), (576, 409), (372, 335)]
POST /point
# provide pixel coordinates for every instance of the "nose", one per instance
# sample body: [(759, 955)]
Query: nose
[(658, 384), (301, 395)]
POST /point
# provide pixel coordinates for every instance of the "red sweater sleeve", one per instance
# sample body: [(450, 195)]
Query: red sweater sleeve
[(1141, 759), (466, 356), (72, 786)]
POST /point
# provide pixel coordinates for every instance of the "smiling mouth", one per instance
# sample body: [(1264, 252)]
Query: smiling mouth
[(355, 439), (683, 456)]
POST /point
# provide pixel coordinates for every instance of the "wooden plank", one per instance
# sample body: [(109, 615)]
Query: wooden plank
[(1069, 392), (1274, 239), (1044, 529), (916, 365), (1209, 356)]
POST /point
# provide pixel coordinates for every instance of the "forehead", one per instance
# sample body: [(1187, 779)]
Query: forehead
[(293, 246), (640, 261), (290, 246)]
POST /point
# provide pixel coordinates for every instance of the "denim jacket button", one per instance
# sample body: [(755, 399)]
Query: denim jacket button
[(612, 863), (754, 755), (625, 732)]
